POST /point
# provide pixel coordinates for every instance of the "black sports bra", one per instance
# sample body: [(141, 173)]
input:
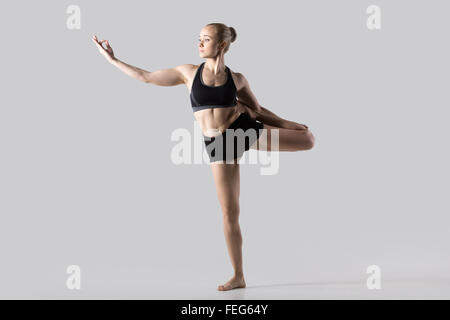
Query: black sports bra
[(207, 97)]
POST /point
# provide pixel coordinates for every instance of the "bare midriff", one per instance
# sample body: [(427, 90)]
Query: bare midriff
[(214, 121)]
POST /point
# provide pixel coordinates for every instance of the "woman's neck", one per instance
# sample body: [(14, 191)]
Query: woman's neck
[(215, 65)]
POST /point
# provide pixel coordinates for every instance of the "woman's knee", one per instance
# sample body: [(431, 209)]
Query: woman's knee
[(310, 140), (305, 140), (231, 213)]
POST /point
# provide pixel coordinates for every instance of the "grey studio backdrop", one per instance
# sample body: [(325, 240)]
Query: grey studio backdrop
[(86, 176)]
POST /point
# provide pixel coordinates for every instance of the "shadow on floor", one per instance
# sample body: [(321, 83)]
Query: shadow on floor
[(361, 282)]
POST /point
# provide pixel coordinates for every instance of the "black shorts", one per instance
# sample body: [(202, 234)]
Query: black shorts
[(239, 140)]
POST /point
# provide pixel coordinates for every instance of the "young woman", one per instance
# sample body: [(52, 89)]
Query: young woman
[(221, 99)]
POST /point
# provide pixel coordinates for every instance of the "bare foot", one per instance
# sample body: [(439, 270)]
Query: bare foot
[(235, 282)]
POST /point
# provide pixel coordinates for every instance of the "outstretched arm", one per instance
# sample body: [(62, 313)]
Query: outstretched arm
[(258, 112), (165, 77)]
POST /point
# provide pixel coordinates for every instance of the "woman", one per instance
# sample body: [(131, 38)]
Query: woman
[(222, 99)]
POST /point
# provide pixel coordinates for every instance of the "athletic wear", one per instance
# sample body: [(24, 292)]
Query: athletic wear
[(239, 140), (207, 97)]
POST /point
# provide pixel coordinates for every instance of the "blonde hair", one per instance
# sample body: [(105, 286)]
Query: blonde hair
[(224, 33)]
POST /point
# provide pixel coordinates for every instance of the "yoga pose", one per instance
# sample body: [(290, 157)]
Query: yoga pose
[(221, 99)]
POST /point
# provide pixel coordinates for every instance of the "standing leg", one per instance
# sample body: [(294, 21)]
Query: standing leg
[(226, 179)]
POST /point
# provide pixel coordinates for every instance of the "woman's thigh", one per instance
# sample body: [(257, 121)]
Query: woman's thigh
[(227, 182), (288, 139)]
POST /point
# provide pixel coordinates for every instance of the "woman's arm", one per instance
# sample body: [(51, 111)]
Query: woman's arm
[(165, 77), (258, 112), (132, 71), (268, 117)]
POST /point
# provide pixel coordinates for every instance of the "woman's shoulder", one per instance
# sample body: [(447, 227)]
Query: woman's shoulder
[(187, 67), (190, 68), (238, 79)]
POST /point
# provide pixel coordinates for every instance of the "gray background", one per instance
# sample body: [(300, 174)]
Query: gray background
[(86, 176)]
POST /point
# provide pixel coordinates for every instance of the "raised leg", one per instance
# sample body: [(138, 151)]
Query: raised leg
[(288, 140), (268, 117)]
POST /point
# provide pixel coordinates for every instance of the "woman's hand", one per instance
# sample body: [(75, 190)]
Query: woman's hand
[(108, 52), (295, 126)]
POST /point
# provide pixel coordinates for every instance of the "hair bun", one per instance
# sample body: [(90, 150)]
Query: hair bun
[(233, 34)]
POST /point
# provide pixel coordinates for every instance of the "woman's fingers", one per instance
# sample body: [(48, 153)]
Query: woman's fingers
[(100, 43), (96, 43), (94, 38), (99, 46), (106, 52), (108, 47)]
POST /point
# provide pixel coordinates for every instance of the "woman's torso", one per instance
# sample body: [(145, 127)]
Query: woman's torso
[(214, 121)]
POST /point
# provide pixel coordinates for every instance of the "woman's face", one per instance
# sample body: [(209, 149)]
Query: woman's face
[(207, 43)]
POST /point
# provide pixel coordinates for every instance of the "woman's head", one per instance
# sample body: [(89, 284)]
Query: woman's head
[(215, 39)]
